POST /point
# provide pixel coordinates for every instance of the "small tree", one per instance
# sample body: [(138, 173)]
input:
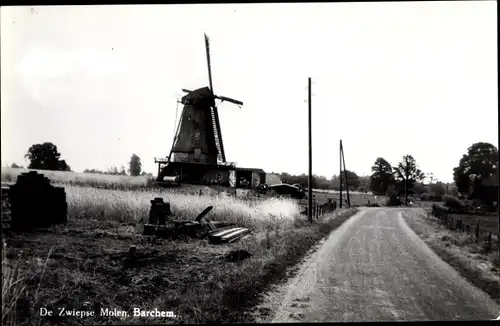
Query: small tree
[(480, 163), (92, 171), (382, 176), (437, 190), (135, 165), (46, 157), (407, 174), (352, 179), (123, 171)]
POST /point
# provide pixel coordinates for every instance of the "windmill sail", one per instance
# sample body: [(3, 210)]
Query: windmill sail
[(199, 137)]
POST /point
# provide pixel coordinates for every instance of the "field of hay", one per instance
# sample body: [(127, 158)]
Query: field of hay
[(111, 202), (82, 263), (83, 179), (133, 206)]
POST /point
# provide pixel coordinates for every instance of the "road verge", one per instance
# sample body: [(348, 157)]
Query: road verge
[(460, 251)]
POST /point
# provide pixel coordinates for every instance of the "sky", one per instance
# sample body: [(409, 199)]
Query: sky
[(389, 79)]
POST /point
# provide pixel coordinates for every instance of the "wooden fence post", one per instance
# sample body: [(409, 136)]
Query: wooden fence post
[(477, 230)]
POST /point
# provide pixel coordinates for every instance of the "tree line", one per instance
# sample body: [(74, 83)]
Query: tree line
[(46, 156), (355, 182), (475, 177)]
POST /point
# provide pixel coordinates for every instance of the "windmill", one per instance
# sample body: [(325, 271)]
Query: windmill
[(198, 147)]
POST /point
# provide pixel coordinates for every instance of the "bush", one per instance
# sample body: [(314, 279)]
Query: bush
[(393, 201), (452, 202)]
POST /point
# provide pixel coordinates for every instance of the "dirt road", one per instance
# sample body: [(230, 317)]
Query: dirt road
[(375, 268)]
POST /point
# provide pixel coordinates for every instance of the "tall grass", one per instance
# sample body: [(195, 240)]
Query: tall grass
[(133, 206), (104, 197), (83, 179), (13, 286)]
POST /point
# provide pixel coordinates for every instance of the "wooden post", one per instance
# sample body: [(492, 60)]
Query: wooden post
[(477, 230), (309, 179), (340, 175)]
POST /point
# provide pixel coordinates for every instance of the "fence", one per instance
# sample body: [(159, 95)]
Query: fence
[(459, 225), (318, 210)]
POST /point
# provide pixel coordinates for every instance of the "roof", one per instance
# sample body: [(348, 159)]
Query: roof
[(250, 169)]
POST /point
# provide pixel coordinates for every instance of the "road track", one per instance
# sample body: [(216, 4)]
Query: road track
[(375, 268)]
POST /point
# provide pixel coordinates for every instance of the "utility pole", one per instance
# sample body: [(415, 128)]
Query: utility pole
[(309, 179), (406, 183), (346, 183), (340, 175)]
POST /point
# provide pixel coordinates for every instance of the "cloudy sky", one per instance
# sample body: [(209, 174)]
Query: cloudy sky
[(389, 79)]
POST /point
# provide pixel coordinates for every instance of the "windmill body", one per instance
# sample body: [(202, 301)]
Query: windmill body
[(197, 155), (195, 140)]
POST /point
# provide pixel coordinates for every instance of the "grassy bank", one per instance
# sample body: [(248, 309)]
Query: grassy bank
[(461, 251)]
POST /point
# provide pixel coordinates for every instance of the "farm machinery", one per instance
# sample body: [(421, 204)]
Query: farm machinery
[(162, 224)]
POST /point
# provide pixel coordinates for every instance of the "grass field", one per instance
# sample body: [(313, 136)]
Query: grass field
[(84, 179), (143, 182), (357, 198), (487, 223), (462, 251), (82, 263)]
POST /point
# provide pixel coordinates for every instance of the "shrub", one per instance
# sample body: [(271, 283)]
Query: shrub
[(452, 202), (393, 201)]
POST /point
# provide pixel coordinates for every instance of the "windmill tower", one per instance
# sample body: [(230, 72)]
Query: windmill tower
[(198, 144)]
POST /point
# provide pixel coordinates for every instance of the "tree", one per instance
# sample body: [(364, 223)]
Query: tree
[(46, 157), (364, 183), (407, 174), (437, 190), (479, 163), (112, 170), (135, 166), (431, 178), (122, 171), (419, 189), (352, 179), (382, 176), (452, 190), (92, 171)]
